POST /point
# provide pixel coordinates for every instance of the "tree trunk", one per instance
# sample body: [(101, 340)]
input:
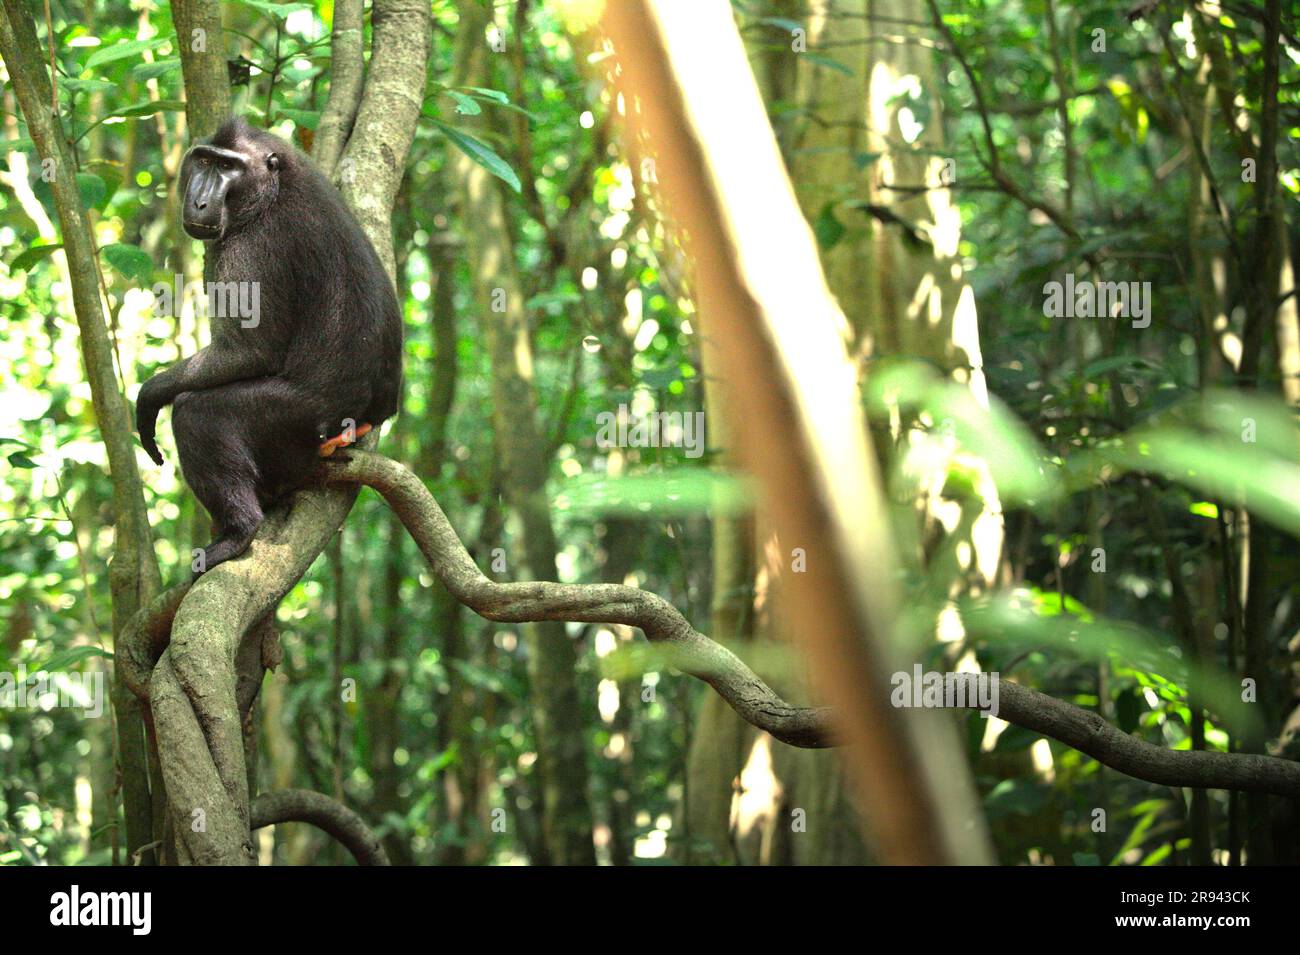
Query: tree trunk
[(133, 577)]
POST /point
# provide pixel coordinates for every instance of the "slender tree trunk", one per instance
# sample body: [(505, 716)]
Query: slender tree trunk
[(133, 575), (202, 44)]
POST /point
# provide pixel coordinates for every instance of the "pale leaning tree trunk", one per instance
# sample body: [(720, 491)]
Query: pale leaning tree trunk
[(854, 135)]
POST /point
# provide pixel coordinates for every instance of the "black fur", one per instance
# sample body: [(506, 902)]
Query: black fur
[(251, 409)]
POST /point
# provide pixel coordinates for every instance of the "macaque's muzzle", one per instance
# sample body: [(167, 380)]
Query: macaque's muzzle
[(209, 175), (205, 200)]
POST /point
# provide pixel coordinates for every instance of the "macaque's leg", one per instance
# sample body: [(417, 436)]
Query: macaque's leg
[(241, 445), (219, 469)]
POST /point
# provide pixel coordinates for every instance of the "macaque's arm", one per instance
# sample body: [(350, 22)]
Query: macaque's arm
[(207, 368)]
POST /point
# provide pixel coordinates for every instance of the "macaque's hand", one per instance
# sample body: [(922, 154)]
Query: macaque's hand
[(146, 416)]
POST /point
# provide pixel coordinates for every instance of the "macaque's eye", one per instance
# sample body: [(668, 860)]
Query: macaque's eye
[(205, 161)]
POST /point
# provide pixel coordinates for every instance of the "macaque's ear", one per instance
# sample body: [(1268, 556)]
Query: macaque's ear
[(272, 161)]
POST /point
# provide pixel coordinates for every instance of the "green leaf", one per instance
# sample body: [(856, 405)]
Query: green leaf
[(681, 491), (1009, 623), (67, 658), (553, 300), (131, 260), (1128, 709), (1217, 466), (1016, 797), (121, 51), (149, 108), (1158, 854), (482, 154), (20, 460), (444, 759), (112, 181), (1104, 365), (149, 71), (91, 188), (788, 25), (827, 62), (1272, 422), (465, 105), (306, 118), (634, 659), (828, 229), (33, 254), (277, 10), (86, 86), (1138, 833), (495, 95)]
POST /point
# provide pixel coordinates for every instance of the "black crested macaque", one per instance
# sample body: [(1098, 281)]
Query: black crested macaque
[(317, 366)]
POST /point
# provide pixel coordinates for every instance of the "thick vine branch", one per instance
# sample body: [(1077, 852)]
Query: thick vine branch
[(692, 652), (758, 704), (1087, 732), (334, 818)]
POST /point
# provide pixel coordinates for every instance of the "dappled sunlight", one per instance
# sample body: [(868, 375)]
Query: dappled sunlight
[(757, 795)]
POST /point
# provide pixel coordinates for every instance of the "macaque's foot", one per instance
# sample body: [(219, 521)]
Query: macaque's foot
[(342, 440)]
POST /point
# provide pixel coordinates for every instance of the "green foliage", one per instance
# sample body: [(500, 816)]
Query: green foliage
[(131, 260), (480, 152), (665, 495)]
